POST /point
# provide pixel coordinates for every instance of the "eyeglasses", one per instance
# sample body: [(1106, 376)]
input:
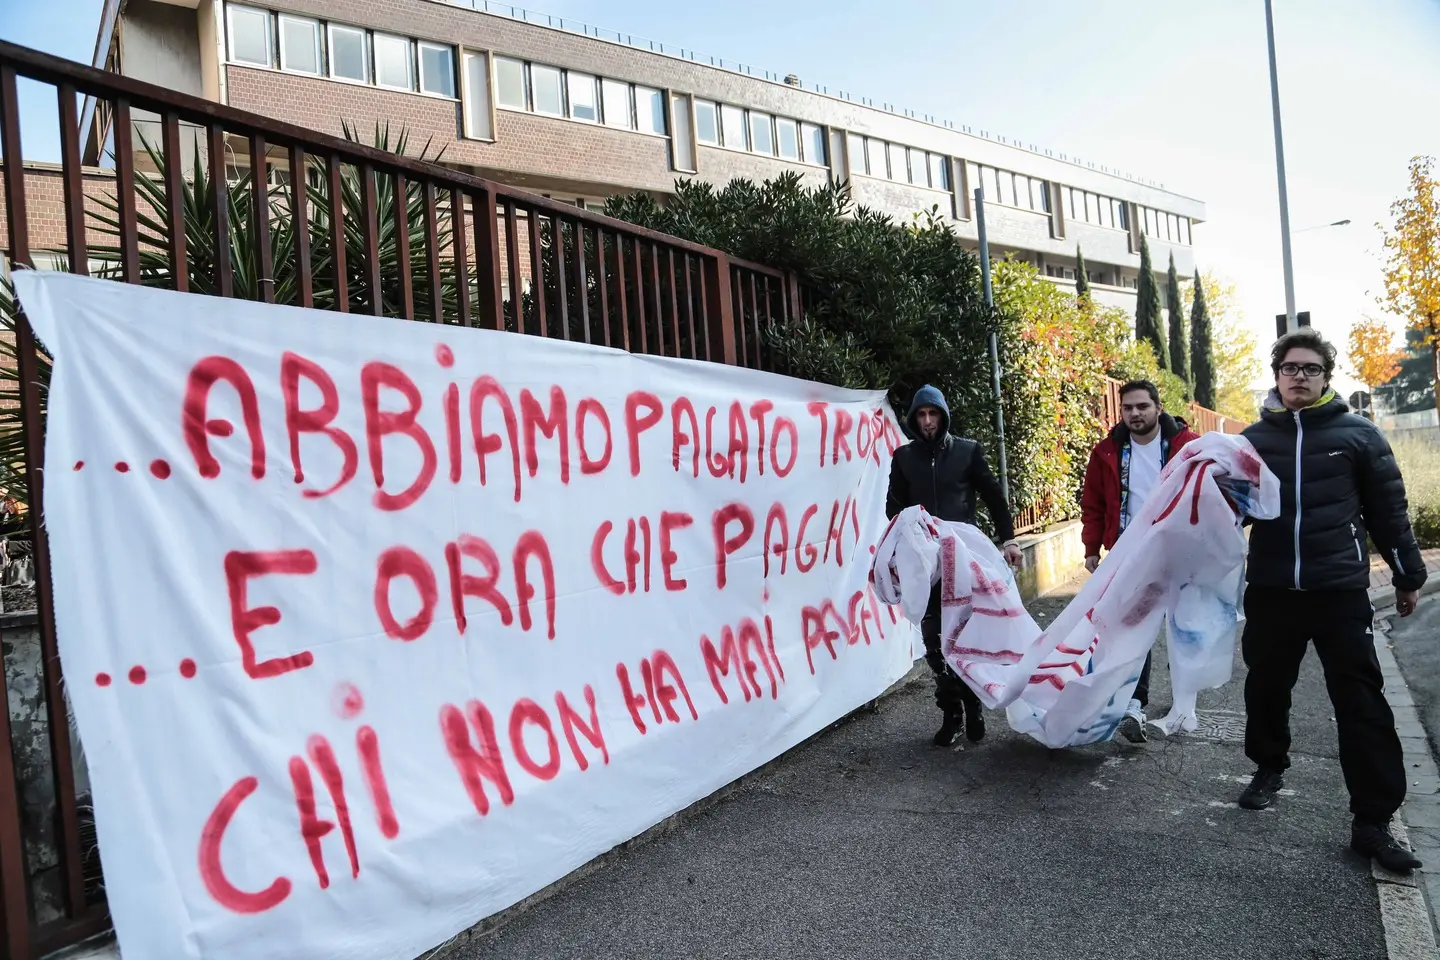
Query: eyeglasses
[(1310, 370)]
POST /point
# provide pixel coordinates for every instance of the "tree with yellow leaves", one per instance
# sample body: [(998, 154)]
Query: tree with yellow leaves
[(1412, 261), (1374, 358)]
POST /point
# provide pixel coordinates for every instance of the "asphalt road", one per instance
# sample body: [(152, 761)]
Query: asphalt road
[(868, 842)]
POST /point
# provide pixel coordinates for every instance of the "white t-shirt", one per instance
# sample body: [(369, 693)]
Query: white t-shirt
[(1144, 472)]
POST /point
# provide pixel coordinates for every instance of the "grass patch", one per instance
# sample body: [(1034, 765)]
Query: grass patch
[(1420, 465)]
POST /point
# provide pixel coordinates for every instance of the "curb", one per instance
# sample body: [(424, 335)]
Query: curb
[(1383, 598), (1408, 902)]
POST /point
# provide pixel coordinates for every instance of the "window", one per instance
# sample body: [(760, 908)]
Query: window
[(1041, 191), (437, 69), (762, 133), (877, 159), (813, 141), (855, 146), (919, 169), (1124, 219), (299, 45), (1022, 191), (787, 138), (615, 98), (1117, 214), (1185, 230), (349, 58), (545, 90), (650, 110), (510, 83), (584, 104), (250, 36), (682, 145), (732, 127), (392, 62), (478, 121), (707, 122), (899, 166), (1006, 187), (939, 172), (1149, 221), (1174, 228)]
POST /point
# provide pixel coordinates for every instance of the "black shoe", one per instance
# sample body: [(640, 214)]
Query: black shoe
[(974, 721), (1263, 787), (950, 729), (1374, 840)]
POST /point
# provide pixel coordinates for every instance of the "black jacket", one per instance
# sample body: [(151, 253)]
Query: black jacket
[(1338, 482), (944, 476)]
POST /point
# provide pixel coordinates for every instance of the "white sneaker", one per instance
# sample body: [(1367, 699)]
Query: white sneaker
[(1132, 726)]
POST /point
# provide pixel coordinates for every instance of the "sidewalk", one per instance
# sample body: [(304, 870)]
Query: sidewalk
[(868, 842), (1380, 571)]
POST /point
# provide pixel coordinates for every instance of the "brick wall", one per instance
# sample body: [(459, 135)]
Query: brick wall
[(45, 207)]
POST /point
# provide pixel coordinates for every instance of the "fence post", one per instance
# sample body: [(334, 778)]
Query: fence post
[(487, 261), (718, 307)]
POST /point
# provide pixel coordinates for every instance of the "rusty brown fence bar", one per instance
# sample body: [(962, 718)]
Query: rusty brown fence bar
[(480, 254)]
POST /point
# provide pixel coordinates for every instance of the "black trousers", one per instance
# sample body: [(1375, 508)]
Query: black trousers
[(1142, 686), (1279, 625), (951, 693)]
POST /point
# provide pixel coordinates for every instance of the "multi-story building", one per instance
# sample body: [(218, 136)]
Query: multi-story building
[(578, 113)]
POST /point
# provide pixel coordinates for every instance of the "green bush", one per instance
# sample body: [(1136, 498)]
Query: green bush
[(892, 306)]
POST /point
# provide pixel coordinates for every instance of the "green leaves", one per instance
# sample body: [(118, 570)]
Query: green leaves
[(892, 306)]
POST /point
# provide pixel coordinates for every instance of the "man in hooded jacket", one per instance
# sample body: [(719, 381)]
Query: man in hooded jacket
[(1308, 578), (943, 474)]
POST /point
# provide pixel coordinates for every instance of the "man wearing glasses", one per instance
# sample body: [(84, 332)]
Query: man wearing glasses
[(1308, 578)]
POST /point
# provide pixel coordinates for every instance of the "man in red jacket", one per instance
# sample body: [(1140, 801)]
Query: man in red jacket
[(1124, 470)]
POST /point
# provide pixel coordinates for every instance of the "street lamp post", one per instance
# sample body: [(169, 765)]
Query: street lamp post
[(1280, 173)]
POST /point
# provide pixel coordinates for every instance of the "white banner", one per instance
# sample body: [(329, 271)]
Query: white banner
[(373, 628)]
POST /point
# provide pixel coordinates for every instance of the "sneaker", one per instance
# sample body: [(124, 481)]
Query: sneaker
[(1132, 725), (1374, 840), (1263, 787), (975, 721), (949, 730)]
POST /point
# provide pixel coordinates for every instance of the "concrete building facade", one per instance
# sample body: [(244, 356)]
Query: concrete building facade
[(579, 114)]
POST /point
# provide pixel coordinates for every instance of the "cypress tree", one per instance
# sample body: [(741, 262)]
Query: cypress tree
[(1177, 323), (1202, 360), (1147, 308), (1082, 276)]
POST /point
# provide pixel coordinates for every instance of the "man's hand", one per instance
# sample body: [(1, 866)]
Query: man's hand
[(1091, 563), (1405, 601), (1013, 556)]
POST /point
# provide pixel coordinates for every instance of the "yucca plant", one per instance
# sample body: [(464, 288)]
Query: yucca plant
[(197, 204)]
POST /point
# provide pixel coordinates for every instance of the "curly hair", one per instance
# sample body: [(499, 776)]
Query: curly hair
[(1304, 338)]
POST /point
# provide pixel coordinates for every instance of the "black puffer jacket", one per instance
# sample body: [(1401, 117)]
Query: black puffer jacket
[(945, 475), (1349, 485)]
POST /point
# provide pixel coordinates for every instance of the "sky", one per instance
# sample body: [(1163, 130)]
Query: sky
[(1172, 90)]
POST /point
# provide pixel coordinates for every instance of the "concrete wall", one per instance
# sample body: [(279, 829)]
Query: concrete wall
[(1051, 558)]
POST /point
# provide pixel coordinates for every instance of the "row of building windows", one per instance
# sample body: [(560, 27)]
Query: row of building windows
[(723, 125), (351, 54), (1014, 189), (893, 161), (1082, 206), (1165, 226), (556, 92)]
